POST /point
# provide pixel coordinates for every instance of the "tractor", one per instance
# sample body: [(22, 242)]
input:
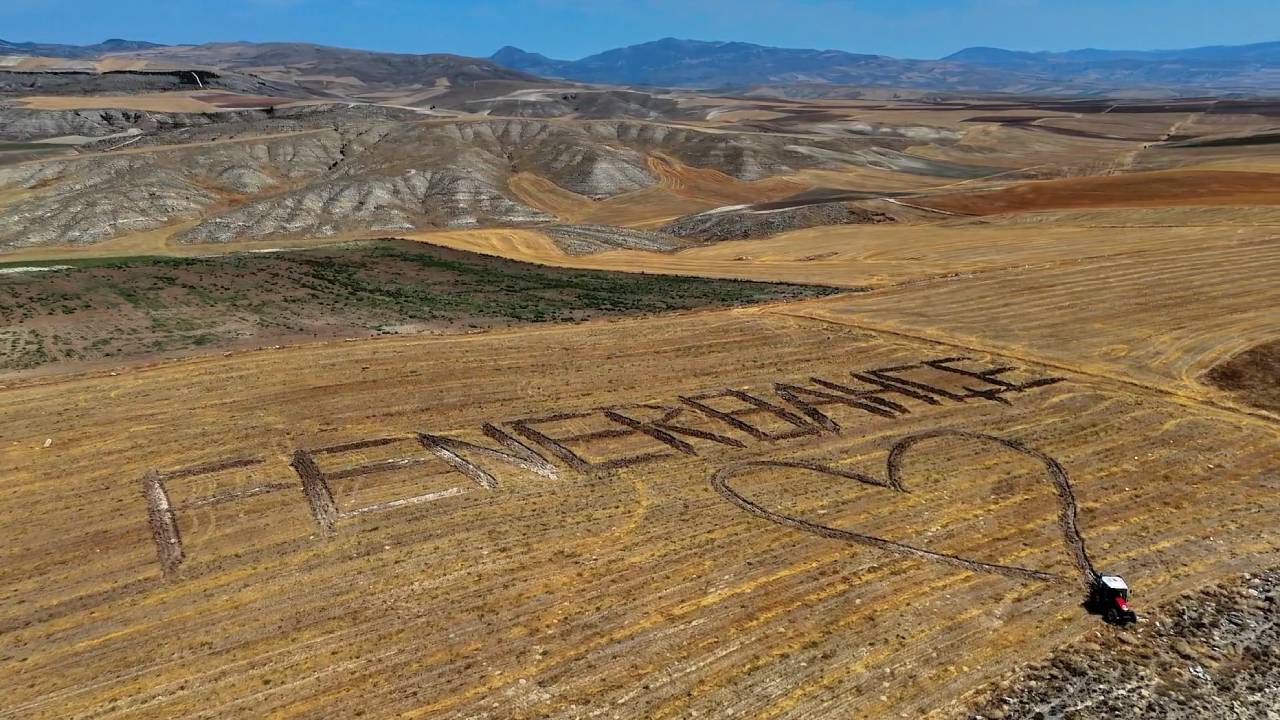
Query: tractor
[(1109, 597)]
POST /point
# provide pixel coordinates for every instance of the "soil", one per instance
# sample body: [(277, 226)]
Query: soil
[(747, 224), (820, 195), (1144, 189), (1211, 654), (126, 308), (588, 239), (1254, 375), (639, 591), (1257, 139)]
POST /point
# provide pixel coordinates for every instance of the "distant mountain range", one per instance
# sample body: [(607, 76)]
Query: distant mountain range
[(670, 62), (298, 67), (305, 59), (1265, 53), (685, 63), (695, 63), (73, 51)]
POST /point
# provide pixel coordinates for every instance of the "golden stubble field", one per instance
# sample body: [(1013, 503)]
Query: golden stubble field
[(607, 574)]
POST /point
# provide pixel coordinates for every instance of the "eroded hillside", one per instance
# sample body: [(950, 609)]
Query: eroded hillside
[(325, 172)]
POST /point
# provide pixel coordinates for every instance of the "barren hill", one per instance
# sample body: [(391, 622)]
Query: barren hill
[(695, 63), (74, 51), (294, 69), (305, 59), (298, 174)]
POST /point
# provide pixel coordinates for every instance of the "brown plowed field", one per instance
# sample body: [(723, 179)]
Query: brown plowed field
[(155, 102), (1148, 189)]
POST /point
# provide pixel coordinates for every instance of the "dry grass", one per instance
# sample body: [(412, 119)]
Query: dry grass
[(154, 102), (195, 101), (858, 256), (638, 589)]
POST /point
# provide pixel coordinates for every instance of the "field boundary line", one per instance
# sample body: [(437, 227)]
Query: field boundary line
[(1237, 412)]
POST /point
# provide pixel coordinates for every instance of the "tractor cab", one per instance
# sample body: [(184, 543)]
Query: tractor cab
[(1109, 597)]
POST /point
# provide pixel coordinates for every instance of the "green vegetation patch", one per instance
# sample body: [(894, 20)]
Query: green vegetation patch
[(132, 306)]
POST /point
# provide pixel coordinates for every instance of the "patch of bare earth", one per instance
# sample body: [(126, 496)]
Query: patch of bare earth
[(1146, 189), (1253, 375), (1211, 654)]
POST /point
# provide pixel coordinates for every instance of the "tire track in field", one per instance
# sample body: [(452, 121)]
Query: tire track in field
[(1067, 506)]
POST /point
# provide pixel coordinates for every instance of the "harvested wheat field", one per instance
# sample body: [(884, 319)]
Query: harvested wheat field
[(861, 256), (820, 508)]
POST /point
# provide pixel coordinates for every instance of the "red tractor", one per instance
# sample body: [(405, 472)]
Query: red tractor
[(1109, 597)]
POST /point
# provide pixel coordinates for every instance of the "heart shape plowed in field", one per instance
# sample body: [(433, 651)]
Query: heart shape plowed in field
[(932, 499)]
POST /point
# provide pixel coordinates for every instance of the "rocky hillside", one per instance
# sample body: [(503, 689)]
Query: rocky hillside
[(320, 171), (23, 83), (577, 102), (749, 222), (673, 62), (19, 124), (295, 70), (320, 68), (1213, 654)]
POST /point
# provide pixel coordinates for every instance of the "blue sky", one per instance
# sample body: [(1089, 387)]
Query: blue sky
[(574, 28)]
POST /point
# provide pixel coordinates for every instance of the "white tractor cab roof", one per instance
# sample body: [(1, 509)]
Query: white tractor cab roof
[(1115, 582)]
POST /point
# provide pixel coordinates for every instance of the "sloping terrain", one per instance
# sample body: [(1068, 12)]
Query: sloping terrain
[(362, 65), (588, 239), (58, 82), (612, 575), (882, 502), (148, 307), (752, 222), (375, 171), (156, 127), (73, 51), (281, 71), (1221, 66), (579, 102), (672, 62), (1151, 189), (1253, 376), (1215, 654), (342, 72), (327, 170)]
